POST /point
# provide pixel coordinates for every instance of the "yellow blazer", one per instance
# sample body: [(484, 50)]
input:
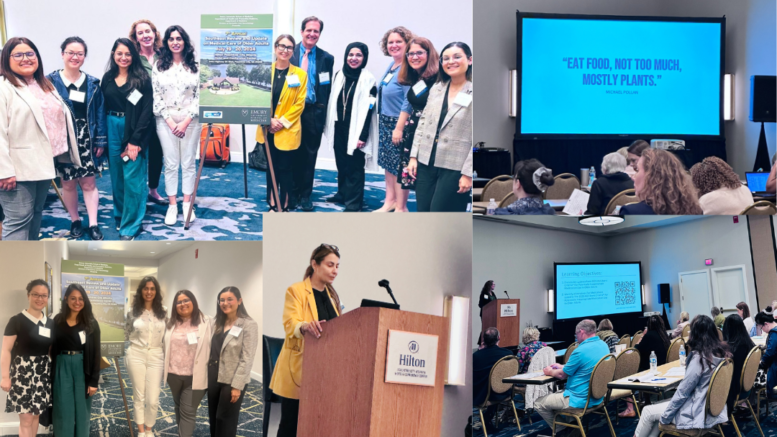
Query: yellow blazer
[(300, 308), (288, 111)]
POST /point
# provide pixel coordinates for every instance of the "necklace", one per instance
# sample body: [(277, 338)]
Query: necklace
[(346, 96)]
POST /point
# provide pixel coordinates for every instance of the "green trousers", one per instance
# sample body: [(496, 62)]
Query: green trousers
[(72, 409)]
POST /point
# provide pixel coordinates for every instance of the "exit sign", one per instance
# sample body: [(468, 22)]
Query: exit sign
[(708, 262)]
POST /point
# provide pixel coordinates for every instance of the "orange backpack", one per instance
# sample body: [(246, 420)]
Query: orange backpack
[(215, 150)]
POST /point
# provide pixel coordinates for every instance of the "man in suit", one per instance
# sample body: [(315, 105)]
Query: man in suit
[(482, 362), (319, 64)]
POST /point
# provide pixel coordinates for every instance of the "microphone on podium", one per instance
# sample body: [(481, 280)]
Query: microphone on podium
[(508, 296), (385, 284)]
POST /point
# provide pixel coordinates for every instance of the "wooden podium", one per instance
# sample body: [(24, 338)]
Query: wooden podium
[(343, 393), (508, 326)]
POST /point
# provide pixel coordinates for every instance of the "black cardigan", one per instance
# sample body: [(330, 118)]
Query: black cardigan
[(92, 357), (651, 342), (138, 117)]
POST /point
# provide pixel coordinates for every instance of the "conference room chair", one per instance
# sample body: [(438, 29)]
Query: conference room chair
[(625, 340), (715, 402), (504, 368), (759, 393), (625, 197), (762, 207), (673, 354), (687, 331), (497, 188), (562, 188), (626, 364), (507, 200), (272, 348), (569, 351), (746, 381), (597, 388), (530, 393), (637, 338)]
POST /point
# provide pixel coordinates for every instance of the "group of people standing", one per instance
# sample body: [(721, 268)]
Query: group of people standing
[(415, 122), (52, 367), (68, 123)]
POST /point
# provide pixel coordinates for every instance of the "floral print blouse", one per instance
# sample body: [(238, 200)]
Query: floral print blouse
[(176, 92), (182, 353), (526, 353), (53, 117)]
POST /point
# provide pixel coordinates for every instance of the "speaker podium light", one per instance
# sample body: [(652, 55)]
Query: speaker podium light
[(456, 310), (728, 97)]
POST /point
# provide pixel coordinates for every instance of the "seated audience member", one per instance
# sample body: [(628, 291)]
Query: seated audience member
[(629, 170), (681, 324), (577, 371), (737, 337), (744, 312), (530, 180), (686, 409), (765, 322), (605, 332), (482, 362), (655, 340), (719, 188), (531, 344), (634, 152), (717, 317), (612, 181), (663, 186)]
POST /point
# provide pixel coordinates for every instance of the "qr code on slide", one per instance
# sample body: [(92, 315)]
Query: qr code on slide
[(624, 293)]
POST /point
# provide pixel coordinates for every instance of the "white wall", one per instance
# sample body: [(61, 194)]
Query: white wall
[(219, 264), (425, 257), (53, 253), (99, 23)]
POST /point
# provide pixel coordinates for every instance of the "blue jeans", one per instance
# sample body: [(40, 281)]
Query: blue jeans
[(128, 181), (23, 208)]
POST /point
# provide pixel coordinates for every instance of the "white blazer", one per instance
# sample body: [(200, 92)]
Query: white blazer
[(25, 151), (204, 335)]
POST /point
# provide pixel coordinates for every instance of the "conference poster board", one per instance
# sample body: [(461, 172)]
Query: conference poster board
[(235, 68), (106, 288)]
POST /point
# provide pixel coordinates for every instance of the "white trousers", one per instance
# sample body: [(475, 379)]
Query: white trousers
[(648, 421), (146, 370), (179, 152)]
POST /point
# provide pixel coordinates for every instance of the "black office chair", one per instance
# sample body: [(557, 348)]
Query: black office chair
[(272, 348)]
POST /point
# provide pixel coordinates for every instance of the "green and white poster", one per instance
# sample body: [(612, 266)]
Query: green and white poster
[(235, 68), (106, 287)]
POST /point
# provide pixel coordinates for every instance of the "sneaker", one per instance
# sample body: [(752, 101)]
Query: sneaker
[(95, 233), (76, 230), (172, 215), (186, 211)]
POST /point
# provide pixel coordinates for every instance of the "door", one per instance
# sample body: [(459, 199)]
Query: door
[(729, 287), (695, 292)]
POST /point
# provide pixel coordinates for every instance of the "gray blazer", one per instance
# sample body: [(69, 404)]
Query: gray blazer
[(686, 409), (454, 148), (237, 354)]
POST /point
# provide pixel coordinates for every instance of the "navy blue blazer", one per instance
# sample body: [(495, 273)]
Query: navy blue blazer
[(640, 208), (482, 362)]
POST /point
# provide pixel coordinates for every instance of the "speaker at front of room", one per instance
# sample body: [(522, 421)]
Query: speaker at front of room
[(663, 294), (763, 99)]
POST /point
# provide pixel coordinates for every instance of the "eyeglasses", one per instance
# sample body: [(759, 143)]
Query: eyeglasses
[(418, 54), (284, 48), (75, 54), (183, 302), (39, 296), (20, 56)]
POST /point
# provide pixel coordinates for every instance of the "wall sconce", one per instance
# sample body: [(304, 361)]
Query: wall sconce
[(728, 97), (456, 309), (643, 295), (551, 303), (513, 94)]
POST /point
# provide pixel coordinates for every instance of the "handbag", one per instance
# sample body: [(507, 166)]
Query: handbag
[(257, 158)]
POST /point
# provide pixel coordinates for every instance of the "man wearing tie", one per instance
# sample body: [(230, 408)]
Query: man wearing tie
[(318, 63)]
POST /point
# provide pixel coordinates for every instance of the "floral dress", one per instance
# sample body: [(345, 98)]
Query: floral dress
[(31, 364), (526, 353), (417, 103)]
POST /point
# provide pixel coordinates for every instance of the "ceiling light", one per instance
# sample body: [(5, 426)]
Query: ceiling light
[(607, 220), (153, 252)]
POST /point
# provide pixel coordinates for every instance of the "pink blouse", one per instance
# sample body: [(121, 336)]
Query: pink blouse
[(182, 353), (53, 116)]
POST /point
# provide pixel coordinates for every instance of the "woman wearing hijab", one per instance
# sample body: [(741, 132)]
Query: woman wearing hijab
[(350, 126)]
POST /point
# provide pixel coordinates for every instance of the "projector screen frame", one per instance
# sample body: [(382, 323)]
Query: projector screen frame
[(555, 287), (631, 136)]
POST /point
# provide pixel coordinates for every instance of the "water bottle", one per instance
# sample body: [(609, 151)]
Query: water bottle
[(491, 207), (653, 362), (591, 175), (474, 174), (682, 355)]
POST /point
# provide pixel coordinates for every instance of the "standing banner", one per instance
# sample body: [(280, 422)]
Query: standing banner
[(106, 287), (235, 68)]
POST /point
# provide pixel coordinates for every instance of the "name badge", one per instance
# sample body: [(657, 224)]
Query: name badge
[(292, 81), (387, 78), (463, 99), (82, 334), (77, 96), (192, 337), (134, 97), (323, 78), (44, 332), (236, 330), (419, 88)]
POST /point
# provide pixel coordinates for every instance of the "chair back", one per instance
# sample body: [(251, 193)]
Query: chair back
[(623, 198), (542, 358), (272, 349), (563, 186), (569, 351), (749, 372), (673, 354), (687, 330), (720, 384), (626, 339), (637, 337), (601, 376), (507, 200), (504, 368), (497, 188), (627, 363), (762, 207)]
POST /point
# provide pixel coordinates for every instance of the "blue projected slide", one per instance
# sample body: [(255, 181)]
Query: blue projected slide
[(620, 77), (587, 290)]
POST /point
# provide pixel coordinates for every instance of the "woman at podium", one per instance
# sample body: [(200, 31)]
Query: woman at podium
[(309, 304)]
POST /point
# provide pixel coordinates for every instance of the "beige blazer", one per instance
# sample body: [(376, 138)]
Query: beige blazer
[(454, 148), (204, 335), (25, 151)]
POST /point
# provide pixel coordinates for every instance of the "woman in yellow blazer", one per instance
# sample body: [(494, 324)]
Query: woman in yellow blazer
[(309, 304), (289, 88)]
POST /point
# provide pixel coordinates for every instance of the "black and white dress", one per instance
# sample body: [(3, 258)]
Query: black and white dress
[(31, 364), (89, 165)]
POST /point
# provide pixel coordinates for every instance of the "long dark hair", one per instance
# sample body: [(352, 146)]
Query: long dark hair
[(11, 77), (655, 324), (196, 314), (138, 303), (221, 317), (735, 333), (487, 288), (136, 74), (165, 60), (85, 317), (705, 341), (318, 256), (442, 76)]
